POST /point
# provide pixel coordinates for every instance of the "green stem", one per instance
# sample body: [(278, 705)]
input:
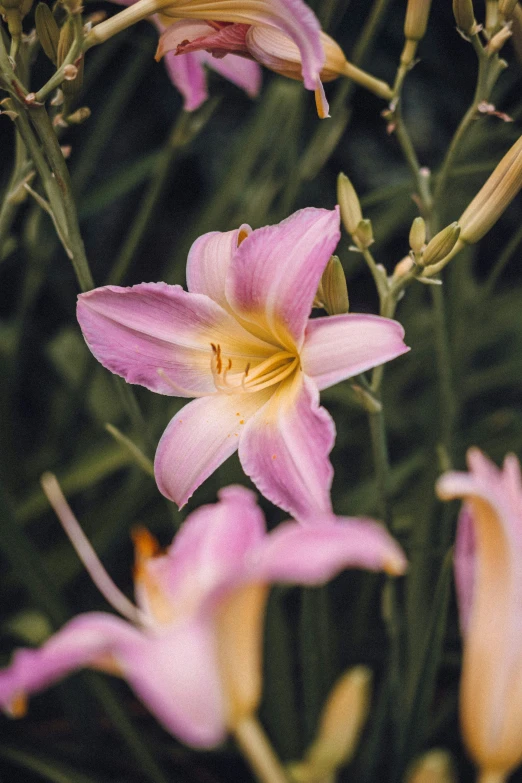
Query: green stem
[(408, 150), (447, 398), (51, 146), (258, 751), (10, 204), (381, 463)]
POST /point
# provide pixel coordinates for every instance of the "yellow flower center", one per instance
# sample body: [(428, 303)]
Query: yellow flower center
[(252, 379)]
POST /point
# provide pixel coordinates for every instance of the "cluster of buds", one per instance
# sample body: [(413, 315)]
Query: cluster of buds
[(440, 246), (498, 22), (56, 43)]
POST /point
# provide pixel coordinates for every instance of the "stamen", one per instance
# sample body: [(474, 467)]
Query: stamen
[(86, 553), (267, 373)]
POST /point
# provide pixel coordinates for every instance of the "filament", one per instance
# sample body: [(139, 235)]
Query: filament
[(267, 373)]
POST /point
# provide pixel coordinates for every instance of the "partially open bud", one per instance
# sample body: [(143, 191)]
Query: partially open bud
[(363, 235), (435, 766), (333, 291), (47, 31), (417, 235), (464, 16), (441, 245), (494, 197), (351, 213), (342, 721)]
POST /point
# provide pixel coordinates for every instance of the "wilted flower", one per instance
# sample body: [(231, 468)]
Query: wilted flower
[(488, 572), (241, 341), (192, 651)]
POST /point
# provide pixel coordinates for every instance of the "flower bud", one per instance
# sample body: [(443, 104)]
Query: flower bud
[(494, 196), (342, 721), (507, 8), (334, 291), (416, 19), (351, 214), (516, 30), (14, 11), (363, 235), (417, 235), (47, 31), (464, 16), (498, 40), (441, 245), (435, 766), (79, 116)]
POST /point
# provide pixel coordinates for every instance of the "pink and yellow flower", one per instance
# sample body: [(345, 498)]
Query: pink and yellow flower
[(242, 342), (192, 651), (488, 575), (192, 19)]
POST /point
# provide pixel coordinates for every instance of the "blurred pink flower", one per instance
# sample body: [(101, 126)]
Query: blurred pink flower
[(241, 340), (488, 575), (187, 71), (192, 652)]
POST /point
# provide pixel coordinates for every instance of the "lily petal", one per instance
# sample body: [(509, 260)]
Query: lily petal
[(275, 273), (341, 346), (208, 262), (199, 439), (245, 74), (465, 566), (135, 331), (284, 449), (188, 76), (85, 641), (210, 548), (293, 17), (228, 39), (313, 555)]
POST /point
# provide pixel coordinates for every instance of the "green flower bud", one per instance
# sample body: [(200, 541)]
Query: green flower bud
[(435, 766), (47, 31), (363, 235), (418, 235), (334, 291), (351, 214), (441, 245), (464, 16)]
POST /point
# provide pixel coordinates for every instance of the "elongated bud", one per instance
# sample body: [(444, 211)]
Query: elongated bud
[(491, 15), (351, 213), (79, 116), (333, 288), (417, 235), (416, 20), (498, 40), (494, 197), (363, 235), (441, 245), (436, 766), (47, 31), (342, 721), (516, 30), (506, 8), (464, 16)]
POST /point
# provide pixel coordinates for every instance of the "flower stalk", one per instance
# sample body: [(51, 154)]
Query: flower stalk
[(257, 750)]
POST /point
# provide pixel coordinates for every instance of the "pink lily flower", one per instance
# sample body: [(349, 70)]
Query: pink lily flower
[(192, 649), (488, 572), (241, 341), (187, 71), (293, 18)]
